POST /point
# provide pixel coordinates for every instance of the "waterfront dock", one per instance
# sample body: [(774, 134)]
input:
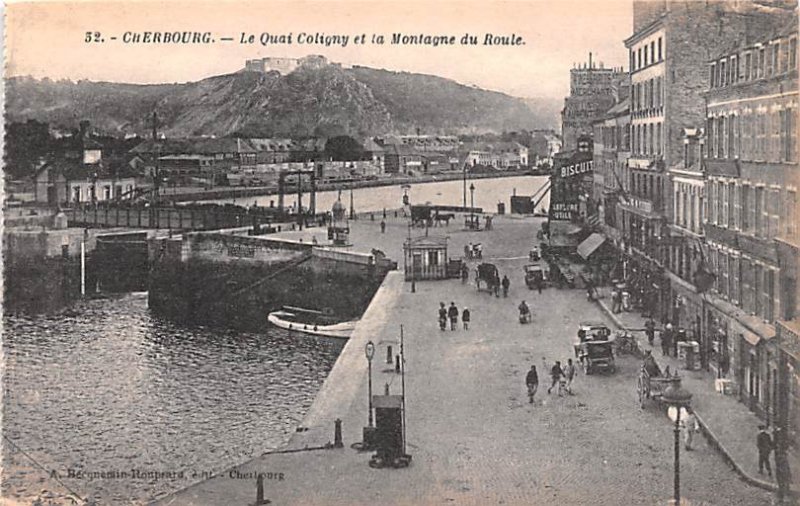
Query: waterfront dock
[(473, 435)]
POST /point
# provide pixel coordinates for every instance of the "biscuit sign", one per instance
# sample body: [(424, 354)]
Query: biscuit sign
[(576, 169)]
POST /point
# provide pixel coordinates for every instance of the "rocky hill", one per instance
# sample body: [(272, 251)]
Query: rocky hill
[(323, 101)]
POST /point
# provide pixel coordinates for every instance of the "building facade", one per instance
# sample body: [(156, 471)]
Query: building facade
[(751, 220), (668, 55), (593, 91)]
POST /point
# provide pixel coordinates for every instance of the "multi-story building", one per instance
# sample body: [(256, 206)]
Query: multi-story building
[(668, 52), (423, 143), (543, 147), (751, 220), (593, 91), (211, 160), (611, 152), (500, 155)]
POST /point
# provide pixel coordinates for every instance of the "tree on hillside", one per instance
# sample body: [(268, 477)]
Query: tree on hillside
[(26, 144), (343, 148)]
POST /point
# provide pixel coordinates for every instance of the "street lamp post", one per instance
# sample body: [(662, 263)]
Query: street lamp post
[(352, 207), (465, 184), (677, 397), (369, 351), (411, 260), (471, 205)]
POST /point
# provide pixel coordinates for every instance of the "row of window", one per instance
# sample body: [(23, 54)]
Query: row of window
[(744, 282), (648, 139), (647, 95), (763, 136), (648, 186), (778, 57), (688, 207), (647, 54), (753, 209), (107, 192), (616, 137)]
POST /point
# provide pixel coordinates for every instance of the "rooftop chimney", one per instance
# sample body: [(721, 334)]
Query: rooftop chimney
[(590, 59)]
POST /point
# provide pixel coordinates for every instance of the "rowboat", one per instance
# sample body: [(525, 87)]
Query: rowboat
[(308, 322)]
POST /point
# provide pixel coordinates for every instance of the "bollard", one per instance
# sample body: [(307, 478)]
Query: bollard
[(337, 433), (389, 354), (386, 389), (397, 364), (260, 489)]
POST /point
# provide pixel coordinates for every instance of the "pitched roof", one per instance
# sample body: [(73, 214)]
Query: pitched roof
[(620, 109), (427, 242), (274, 145), (370, 145), (195, 146)]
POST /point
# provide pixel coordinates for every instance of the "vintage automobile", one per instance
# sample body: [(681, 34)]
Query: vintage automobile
[(535, 273), (594, 347), (597, 355), (594, 331)]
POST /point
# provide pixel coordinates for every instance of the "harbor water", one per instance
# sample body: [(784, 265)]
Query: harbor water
[(487, 194), (115, 390), (113, 403)]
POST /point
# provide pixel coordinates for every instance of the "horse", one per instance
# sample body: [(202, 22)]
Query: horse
[(443, 217)]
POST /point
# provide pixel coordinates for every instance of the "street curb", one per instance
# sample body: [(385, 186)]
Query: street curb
[(710, 436)]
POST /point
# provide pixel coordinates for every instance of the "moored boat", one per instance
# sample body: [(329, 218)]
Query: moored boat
[(310, 322)]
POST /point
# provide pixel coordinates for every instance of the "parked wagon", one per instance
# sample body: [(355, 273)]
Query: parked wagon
[(487, 278), (455, 267), (535, 276), (650, 386)]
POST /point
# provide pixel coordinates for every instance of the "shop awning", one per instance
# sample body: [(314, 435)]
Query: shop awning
[(558, 227), (590, 245)]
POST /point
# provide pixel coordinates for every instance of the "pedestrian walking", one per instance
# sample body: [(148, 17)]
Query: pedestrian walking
[(677, 335), (650, 330), (383, 226), (690, 426), (464, 273), (569, 374), (442, 316), (532, 382), (556, 373), (765, 445), (616, 301), (538, 283), (452, 312), (465, 316), (506, 284), (666, 340), (467, 251)]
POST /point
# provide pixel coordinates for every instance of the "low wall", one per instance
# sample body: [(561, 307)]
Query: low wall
[(235, 281)]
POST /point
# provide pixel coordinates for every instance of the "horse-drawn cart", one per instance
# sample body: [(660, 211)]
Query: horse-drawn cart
[(487, 278), (651, 386)]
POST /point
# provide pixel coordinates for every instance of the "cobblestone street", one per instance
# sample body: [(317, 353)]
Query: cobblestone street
[(473, 435)]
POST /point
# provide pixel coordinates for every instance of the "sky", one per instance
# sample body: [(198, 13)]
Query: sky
[(48, 39)]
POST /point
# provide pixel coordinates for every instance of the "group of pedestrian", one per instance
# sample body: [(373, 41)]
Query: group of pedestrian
[(561, 378), (451, 313)]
